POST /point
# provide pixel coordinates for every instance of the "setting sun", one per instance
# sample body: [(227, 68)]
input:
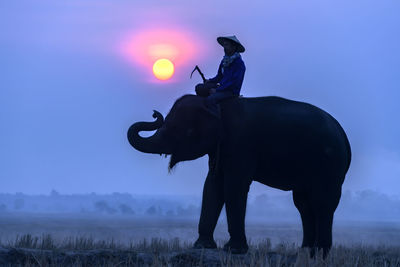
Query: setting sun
[(144, 47), (163, 69)]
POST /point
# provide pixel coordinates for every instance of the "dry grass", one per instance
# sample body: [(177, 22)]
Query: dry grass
[(50, 240), (28, 250)]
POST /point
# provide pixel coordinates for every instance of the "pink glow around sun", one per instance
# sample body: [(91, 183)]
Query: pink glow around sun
[(145, 47)]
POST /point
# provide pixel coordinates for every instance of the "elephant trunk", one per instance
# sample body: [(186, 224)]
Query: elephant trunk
[(152, 144)]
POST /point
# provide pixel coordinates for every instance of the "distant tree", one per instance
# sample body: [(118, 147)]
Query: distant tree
[(125, 209), (54, 193), (102, 206), (189, 211), (170, 213), (3, 207), (151, 211), (19, 203)]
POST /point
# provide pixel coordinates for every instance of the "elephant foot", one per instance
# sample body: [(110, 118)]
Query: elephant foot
[(204, 242), (236, 247), (314, 251), (325, 252)]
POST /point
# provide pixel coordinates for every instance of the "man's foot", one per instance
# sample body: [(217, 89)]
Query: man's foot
[(236, 247), (204, 242)]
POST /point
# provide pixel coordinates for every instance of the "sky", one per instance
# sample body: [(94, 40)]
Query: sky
[(76, 74)]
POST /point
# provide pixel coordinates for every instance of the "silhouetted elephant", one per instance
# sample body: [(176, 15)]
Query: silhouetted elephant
[(281, 143)]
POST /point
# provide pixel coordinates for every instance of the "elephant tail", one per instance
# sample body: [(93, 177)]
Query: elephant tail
[(348, 151)]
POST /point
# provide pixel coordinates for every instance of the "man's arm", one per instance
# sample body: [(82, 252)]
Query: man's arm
[(233, 80), (218, 77)]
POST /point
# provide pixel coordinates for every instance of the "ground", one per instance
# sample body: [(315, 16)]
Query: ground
[(54, 240)]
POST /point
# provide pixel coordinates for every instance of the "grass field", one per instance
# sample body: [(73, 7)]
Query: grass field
[(54, 240)]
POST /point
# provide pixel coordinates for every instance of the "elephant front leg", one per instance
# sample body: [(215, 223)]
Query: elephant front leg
[(236, 188), (212, 203), (308, 218)]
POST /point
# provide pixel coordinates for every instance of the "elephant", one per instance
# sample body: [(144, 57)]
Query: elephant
[(285, 144)]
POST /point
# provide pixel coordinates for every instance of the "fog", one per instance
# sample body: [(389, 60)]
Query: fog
[(368, 206)]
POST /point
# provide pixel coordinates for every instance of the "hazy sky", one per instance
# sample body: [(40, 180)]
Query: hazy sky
[(70, 89)]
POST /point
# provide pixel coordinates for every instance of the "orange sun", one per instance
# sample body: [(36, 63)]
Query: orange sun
[(159, 53), (163, 69)]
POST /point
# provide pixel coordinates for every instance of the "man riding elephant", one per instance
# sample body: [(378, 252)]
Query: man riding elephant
[(286, 144), (228, 81)]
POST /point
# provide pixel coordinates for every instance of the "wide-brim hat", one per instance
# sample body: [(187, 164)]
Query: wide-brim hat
[(233, 38)]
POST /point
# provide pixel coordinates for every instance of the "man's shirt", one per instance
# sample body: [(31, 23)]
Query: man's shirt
[(231, 78)]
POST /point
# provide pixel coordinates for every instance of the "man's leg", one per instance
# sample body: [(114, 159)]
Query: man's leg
[(213, 100), (203, 89), (218, 97)]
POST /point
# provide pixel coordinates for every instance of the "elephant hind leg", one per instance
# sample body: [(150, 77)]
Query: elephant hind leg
[(325, 207), (324, 232), (308, 218)]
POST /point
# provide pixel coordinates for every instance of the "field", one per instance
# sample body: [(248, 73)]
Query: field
[(77, 240)]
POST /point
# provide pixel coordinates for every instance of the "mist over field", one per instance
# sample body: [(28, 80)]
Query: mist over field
[(354, 206), (363, 218)]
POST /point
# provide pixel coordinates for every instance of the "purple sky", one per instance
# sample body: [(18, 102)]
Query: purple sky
[(68, 94)]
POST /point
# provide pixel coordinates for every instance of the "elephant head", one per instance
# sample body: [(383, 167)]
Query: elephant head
[(188, 132)]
